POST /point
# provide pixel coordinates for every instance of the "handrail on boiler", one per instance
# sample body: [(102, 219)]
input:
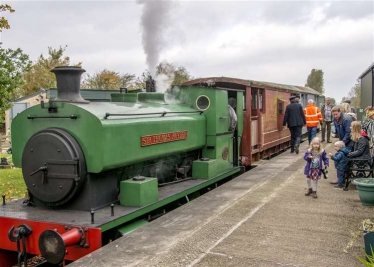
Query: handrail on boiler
[(155, 113)]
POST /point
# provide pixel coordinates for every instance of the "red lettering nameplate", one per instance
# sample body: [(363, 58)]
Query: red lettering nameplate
[(148, 140)]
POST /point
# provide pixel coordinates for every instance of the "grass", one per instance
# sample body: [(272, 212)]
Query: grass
[(11, 181)]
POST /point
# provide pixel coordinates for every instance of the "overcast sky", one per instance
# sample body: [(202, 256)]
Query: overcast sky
[(274, 41)]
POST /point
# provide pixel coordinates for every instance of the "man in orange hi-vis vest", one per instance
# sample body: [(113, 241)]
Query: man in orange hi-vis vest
[(313, 117)]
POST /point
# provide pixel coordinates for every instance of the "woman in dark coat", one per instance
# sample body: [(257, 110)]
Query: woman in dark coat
[(361, 146)]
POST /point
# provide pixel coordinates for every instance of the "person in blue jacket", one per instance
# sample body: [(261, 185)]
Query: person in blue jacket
[(340, 161)]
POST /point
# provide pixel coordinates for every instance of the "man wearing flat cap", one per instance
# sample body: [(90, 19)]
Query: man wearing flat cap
[(297, 98), (294, 117)]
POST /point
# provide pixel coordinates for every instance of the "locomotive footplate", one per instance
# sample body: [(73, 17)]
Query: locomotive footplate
[(17, 209)]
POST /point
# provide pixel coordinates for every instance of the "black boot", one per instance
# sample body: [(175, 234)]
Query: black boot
[(309, 192)]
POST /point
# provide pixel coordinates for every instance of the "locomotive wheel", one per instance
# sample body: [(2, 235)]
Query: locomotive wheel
[(53, 166)]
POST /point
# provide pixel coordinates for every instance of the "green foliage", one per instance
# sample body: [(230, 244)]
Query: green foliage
[(333, 101), (315, 81), (109, 80), (39, 76), (369, 260), (178, 74), (4, 22), (13, 63), (355, 95)]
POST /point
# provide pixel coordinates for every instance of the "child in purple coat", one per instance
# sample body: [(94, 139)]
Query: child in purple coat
[(314, 158)]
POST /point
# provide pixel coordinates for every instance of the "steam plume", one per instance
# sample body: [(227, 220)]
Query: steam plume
[(154, 20)]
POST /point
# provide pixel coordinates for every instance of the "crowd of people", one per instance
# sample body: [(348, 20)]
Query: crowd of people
[(336, 121)]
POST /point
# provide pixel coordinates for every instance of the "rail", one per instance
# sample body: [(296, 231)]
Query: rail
[(73, 117), (154, 113)]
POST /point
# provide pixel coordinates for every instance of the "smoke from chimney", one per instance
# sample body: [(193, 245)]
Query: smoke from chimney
[(153, 21)]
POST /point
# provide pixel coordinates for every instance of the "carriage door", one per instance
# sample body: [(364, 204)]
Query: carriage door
[(256, 107)]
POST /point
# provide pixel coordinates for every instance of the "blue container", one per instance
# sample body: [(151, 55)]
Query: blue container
[(369, 243)]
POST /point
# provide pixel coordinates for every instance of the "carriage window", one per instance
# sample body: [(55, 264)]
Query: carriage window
[(258, 99), (261, 98), (254, 98)]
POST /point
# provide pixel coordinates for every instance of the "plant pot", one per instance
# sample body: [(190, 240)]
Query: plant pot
[(369, 243), (368, 237), (365, 188)]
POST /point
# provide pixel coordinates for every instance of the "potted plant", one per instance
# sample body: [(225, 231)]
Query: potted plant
[(365, 188), (367, 232)]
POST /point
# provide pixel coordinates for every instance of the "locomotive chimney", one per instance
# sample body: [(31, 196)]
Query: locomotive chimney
[(150, 85), (68, 84)]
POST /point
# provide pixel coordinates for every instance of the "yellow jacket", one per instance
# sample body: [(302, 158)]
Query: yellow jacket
[(313, 115)]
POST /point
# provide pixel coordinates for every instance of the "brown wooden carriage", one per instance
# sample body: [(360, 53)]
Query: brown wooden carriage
[(265, 104)]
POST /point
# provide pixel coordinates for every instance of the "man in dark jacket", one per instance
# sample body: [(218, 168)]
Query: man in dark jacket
[(342, 123), (295, 119)]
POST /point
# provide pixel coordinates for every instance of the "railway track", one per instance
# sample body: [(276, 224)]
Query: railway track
[(36, 261)]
